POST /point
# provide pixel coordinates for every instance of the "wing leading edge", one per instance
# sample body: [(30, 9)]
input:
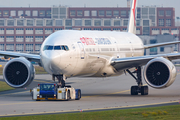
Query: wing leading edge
[(30, 57), (130, 62), (160, 44)]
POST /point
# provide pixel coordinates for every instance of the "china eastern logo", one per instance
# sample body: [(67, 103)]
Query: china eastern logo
[(87, 41)]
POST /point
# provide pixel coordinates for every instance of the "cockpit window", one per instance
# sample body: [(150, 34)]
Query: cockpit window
[(57, 47), (45, 47), (60, 47), (66, 47), (63, 48), (50, 48)]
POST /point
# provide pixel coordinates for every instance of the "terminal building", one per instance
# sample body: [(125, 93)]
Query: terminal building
[(23, 29)]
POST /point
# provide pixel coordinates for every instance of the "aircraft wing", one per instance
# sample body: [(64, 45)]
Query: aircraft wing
[(130, 62), (30, 57), (160, 44)]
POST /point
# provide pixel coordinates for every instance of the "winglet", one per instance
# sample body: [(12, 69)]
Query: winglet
[(132, 18)]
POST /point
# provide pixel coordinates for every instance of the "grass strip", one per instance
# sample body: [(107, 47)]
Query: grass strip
[(40, 70), (150, 113), (4, 86)]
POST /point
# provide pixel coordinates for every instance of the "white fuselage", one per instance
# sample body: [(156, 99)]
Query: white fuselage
[(90, 52)]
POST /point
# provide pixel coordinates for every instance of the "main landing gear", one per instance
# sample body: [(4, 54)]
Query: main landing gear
[(139, 88), (61, 80)]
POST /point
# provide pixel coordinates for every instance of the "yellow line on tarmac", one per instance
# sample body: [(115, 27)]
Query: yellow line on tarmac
[(41, 81), (151, 104), (107, 94), (120, 92), (90, 109), (131, 106), (17, 103), (15, 93)]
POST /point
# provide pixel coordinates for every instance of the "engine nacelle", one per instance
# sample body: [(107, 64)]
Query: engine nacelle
[(159, 73), (18, 72)]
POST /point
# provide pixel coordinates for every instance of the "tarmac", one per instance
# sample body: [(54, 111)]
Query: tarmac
[(97, 94)]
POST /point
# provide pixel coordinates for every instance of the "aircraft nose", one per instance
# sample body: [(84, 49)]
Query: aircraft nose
[(52, 61)]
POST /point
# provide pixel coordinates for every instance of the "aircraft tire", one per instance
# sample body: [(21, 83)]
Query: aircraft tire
[(134, 90), (144, 90)]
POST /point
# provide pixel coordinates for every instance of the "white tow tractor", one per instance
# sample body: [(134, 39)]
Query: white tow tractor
[(54, 92)]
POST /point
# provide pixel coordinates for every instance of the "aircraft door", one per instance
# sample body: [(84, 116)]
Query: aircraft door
[(82, 51), (131, 46)]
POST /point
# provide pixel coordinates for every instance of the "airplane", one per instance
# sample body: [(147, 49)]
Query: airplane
[(71, 53)]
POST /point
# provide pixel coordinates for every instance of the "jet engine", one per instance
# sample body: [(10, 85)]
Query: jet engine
[(159, 73), (18, 72)]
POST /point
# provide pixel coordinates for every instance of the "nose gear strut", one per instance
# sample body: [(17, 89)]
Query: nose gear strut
[(61, 80)]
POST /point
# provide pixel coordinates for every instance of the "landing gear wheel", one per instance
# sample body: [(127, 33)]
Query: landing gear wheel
[(79, 95), (139, 88), (68, 95), (134, 90), (144, 90)]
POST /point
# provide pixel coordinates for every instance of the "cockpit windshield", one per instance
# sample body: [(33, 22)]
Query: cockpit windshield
[(49, 47), (58, 47), (66, 47), (63, 48)]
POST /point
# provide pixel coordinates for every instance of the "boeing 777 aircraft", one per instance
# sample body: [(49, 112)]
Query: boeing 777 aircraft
[(69, 53)]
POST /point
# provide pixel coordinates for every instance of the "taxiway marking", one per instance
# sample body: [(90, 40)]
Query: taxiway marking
[(82, 110), (41, 81), (107, 94), (15, 93), (17, 103)]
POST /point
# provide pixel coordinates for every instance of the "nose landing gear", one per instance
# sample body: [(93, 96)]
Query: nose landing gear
[(139, 88), (61, 80)]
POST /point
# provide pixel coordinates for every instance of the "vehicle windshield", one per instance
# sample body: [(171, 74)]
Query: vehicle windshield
[(46, 87)]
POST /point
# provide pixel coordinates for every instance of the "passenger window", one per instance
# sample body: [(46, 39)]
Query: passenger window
[(57, 48), (66, 47), (50, 48)]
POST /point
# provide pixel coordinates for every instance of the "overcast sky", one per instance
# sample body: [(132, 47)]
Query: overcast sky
[(90, 3)]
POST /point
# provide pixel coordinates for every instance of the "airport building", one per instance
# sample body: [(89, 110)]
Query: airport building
[(24, 29)]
